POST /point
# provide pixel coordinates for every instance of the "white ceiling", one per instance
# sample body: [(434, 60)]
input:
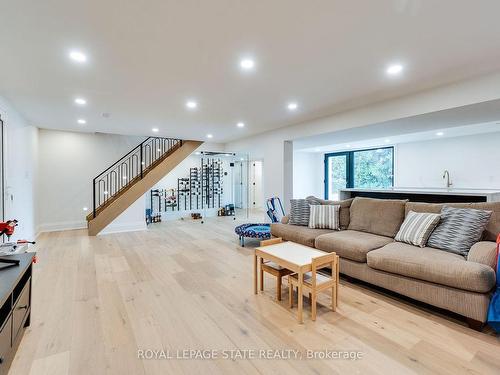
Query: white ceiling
[(146, 58), (471, 119)]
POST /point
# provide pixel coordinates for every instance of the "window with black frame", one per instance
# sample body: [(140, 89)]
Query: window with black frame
[(364, 169)]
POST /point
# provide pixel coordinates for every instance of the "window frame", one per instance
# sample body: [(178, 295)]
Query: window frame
[(350, 166)]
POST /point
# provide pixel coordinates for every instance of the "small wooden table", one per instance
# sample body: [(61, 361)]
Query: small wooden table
[(290, 255)]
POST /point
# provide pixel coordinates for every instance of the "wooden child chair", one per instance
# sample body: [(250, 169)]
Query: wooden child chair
[(315, 282), (272, 268)]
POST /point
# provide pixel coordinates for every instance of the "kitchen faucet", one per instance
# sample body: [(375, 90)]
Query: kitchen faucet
[(446, 175)]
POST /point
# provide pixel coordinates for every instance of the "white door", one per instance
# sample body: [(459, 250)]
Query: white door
[(257, 199)]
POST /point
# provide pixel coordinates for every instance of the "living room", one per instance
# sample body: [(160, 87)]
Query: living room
[(209, 189)]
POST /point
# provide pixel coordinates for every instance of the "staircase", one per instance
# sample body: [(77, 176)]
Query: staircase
[(127, 180)]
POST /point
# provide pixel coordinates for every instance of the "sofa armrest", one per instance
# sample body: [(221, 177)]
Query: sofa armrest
[(484, 252), (285, 219)]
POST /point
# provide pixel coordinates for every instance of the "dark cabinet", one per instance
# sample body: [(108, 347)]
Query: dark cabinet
[(15, 310)]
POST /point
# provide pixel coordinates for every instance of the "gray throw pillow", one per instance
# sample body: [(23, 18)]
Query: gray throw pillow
[(459, 229), (299, 212)]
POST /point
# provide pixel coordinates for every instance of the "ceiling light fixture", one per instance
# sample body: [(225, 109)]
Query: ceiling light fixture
[(191, 104), (387, 141), (247, 64), (81, 121), (78, 57), (155, 130), (240, 125), (394, 69), (85, 208), (80, 101), (210, 136), (292, 106), (439, 134)]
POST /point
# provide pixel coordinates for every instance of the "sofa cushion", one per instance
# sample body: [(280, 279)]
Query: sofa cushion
[(345, 205), (377, 216), (459, 229), (324, 216), (303, 235), (351, 244), (493, 227), (432, 265), (299, 212), (417, 227)]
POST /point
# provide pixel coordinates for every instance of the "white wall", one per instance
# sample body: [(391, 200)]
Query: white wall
[(308, 174), (21, 146), (68, 161), (473, 162), (269, 146)]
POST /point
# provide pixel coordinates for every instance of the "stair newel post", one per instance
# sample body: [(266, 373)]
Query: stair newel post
[(142, 160)]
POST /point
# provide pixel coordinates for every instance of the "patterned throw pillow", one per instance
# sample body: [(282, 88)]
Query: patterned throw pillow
[(417, 228), (460, 228), (324, 217), (299, 212)]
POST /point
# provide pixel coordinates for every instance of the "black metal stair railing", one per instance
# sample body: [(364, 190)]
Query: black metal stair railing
[(130, 168)]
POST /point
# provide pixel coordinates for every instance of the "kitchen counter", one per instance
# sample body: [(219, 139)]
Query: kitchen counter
[(431, 195)]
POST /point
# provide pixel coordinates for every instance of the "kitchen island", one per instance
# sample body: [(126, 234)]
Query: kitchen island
[(430, 195)]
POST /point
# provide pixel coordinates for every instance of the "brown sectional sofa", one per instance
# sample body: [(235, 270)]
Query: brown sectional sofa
[(368, 252)]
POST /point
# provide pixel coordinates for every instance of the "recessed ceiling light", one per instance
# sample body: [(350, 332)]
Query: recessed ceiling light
[(317, 149), (155, 130), (247, 64), (81, 121), (348, 146), (80, 101), (292, 106), (210, 136), (387, 140), (85, 208), (191, 104), (240, 124), (197, 153), (78, 56), (439, 134), (394, 69)]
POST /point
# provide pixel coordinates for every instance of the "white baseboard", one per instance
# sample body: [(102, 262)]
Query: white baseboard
[(60, 226), (125, 227)]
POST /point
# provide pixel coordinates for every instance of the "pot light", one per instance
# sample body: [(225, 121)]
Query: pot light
[(394, 69), (124, 177), (348, 146), (155, 130), (240, 125), (210, 136), (247, 64), (80, 101), (292, 106), (191, 104), (387, 141), (78, 56), (85, 208), (81, 121), (105, 192), (439, 134)]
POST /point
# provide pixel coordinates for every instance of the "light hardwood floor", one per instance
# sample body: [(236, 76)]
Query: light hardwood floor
[(187, 285)]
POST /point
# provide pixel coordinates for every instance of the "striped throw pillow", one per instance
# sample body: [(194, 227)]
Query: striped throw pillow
[(324, 216), (299, 212), (417, 228), (460, 228)]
